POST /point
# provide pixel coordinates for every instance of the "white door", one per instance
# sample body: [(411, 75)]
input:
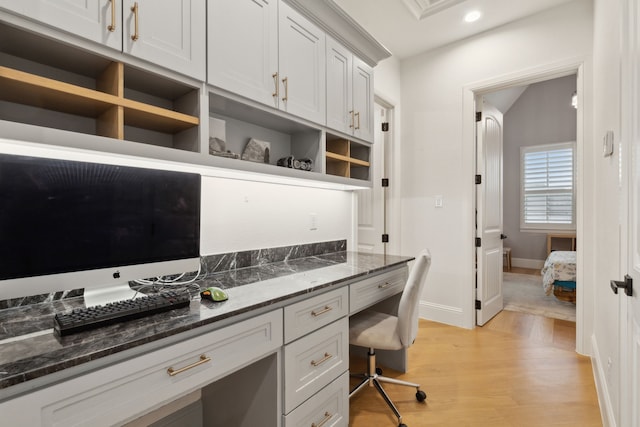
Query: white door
[(489, 214), (248, 65), (630, 304), (99, 21), (372, 201), (301, 61), (167, 32)]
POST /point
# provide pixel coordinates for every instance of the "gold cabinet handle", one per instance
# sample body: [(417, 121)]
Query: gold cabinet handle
[(327, 417), (203, 359), (136, 33), (352, 118), (386, 285), (112, 27), (358, 115), (326, 357), (285, 81), (323, 311), (275, 82)]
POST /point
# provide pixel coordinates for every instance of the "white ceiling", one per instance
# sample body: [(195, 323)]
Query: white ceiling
[(396, 23)]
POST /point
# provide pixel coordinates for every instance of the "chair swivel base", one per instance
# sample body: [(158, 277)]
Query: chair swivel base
[(374, 378)]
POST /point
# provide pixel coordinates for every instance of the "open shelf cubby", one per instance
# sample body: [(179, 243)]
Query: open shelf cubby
[(347, 158), (46, 83), (234, 124)]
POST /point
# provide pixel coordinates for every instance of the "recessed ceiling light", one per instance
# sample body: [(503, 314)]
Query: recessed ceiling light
[(472, 16)]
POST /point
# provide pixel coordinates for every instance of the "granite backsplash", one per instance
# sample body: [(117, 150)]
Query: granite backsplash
[(212, 264)]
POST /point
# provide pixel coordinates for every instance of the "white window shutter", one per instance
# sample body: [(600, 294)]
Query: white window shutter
[(548, 190)]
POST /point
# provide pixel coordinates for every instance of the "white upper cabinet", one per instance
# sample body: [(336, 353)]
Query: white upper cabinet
[(99, 20), (301, 66), (170, 33), (243, 48), (267, 52), (349, 92)]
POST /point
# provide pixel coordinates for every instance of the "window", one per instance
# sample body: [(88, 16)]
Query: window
[(547, 195)]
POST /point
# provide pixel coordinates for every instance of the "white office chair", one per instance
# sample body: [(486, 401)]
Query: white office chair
[(375, 330)]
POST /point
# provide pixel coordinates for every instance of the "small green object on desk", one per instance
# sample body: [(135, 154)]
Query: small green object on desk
[(214, 294)]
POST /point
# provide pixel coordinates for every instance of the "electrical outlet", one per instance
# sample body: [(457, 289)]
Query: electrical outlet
[(313, 221), (439, 201)]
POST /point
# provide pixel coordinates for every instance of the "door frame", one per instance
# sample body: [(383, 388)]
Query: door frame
[(391, 159), (575, 66)]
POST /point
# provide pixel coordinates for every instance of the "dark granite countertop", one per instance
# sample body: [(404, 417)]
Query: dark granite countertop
[(30, 352)]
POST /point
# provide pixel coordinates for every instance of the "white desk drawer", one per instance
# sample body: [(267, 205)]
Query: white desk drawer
[(119, 393), (314, 361), (328, 408), (367, 292), (313, 313)]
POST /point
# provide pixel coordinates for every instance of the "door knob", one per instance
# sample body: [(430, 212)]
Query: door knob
[(627, 285)]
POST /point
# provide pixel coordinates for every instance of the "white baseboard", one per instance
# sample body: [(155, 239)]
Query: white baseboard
[(604, 400), (442, 314), (527, 263)]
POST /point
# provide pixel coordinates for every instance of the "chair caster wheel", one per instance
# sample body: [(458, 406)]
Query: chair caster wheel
[(421, 396), (378, 371)]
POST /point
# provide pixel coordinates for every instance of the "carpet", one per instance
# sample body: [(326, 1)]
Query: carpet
[(524, 293)]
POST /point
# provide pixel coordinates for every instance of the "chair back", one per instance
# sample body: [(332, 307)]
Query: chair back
[(408, 307)]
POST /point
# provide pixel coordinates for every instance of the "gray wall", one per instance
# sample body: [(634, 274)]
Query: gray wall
[(542, 114)]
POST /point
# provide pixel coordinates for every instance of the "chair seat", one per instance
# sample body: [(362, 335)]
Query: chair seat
[(374, 330)]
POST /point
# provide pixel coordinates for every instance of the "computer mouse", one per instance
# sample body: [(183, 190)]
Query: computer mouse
[(214, 294)]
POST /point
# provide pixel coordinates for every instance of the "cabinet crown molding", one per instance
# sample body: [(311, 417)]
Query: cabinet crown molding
[(338, 24)]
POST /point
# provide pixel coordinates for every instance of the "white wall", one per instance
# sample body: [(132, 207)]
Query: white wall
[(243, 215), (437, 160), (606, 93)]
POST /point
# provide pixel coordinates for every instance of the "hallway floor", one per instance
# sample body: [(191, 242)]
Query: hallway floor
[(517, 370)]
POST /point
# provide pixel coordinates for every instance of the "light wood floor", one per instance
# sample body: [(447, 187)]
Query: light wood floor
[(517, 370)]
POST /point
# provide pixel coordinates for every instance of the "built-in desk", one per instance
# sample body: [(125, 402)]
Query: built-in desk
[(267, 356)]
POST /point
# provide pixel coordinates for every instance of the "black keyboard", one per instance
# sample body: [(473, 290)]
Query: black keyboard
[(82, 319)]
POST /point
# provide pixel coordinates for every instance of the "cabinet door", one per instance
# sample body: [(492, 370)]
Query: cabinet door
[(243, 48), (339, 93), (302, 66), (99, 21), (363, 100), (170, 33)]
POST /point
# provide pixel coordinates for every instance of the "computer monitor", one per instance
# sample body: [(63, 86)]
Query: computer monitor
[(73, 224)]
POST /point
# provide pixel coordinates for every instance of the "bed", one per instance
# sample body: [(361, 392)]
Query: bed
[(559, 275)]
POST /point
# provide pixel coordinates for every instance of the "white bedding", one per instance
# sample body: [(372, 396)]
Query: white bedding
[(559, 265)]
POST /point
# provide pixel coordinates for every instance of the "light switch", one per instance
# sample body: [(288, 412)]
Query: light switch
[(438, 201)]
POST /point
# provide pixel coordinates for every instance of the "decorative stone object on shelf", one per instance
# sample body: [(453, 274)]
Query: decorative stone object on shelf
[(217, 147), (256, 150)]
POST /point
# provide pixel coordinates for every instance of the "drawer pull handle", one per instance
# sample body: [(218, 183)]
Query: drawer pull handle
[(203, 359), (327, 417), (386, 285), (352, 118), (275, 80), (136, 34), (323, 311), (326, 357), (358, 116), (285, 81), (112, 27)]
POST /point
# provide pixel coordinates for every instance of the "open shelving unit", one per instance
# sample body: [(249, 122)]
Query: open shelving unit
[(45, 83), (347, 158)]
